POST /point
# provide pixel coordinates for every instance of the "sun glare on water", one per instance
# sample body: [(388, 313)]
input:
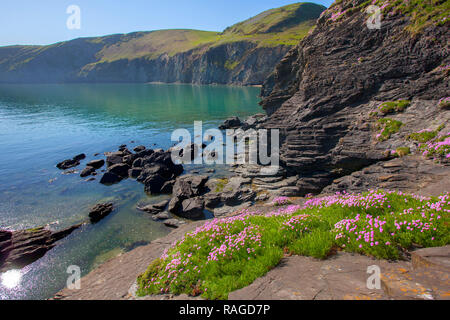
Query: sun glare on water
[(11, 279)]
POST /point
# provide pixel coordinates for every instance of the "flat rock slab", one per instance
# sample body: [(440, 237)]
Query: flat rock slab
[(341, 277)]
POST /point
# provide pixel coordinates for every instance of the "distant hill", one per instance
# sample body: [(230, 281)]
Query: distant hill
[(244, 53)]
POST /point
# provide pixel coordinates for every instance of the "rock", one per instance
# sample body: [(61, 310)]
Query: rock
[(79, 157), (67, 164), (161, 216), (238, 196), (134, 172), (129, 159), (110, 178), (90, 179), (113, 158), (96, 164), (192, 208), (87, 172), (154, 183), (138, 163), (154, 208), (231, 123), (185, 187), (173, 223), (120, 169), (21, 248), (167, 187), (139, 149), (100, 211), (327, 131)]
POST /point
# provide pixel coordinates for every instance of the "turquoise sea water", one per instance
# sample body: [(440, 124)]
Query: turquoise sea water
[(41, 125)]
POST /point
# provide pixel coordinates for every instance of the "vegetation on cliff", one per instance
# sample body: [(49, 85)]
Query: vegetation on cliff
[(226, 254), (167, 55)]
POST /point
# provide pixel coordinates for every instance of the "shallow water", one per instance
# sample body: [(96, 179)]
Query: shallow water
[(41, 125)]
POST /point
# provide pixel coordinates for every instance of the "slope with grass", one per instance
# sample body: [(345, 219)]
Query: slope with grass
[(226, 254), (243, 54)]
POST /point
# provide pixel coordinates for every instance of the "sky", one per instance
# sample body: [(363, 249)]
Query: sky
[(45, 21)]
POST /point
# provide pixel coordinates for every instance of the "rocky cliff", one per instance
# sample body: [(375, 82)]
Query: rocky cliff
[(362, 108), (243, 54)]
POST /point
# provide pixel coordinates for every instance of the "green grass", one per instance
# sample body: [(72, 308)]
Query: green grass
[(422, 13), (227, 254), (394, 106), (281, 26), (277, 20), (425, 135), (388, 127)]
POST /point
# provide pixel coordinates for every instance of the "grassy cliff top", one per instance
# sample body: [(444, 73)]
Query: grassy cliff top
[(282, 26)]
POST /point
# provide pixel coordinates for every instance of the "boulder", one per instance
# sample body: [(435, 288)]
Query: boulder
[(87, 172), (79, 157), (134, 172), (192, 208), (100, 211), (110, 178), (120, 169), (113, 158), (67, 164), (161, 216), (167, 187), (154, 183), (138, 163), (139, 149), (231, 123), (96, 164), (154, 208)]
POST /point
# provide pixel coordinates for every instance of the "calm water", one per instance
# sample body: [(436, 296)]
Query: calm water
[(41, 125)]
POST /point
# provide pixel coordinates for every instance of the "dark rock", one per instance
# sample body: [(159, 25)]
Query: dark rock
[(154, 208), (110, 178), (21, 248), (100, 211), (67, 164), (167, 187), (231, 123), (134, 172), (120, 169), (96, 164), (79, 157), (161, 216), (173, 223), (188, 186), (114, 158), (129, 159), (154, 183), (138, 163), (139, 148), (323, 91), (192, 208), (87, 172)]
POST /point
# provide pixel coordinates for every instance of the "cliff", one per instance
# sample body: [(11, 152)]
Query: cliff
[(365, 108), (243, 54)]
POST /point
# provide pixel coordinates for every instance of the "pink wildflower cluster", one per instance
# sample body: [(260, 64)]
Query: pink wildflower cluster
[(281, 201), (437, 147), (297, 224), (367, 231), (374, 199)]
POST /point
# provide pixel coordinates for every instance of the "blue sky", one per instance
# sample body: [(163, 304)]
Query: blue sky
[(44, 21)]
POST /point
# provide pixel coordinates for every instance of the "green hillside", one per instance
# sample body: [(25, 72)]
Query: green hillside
[(108, 57)]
